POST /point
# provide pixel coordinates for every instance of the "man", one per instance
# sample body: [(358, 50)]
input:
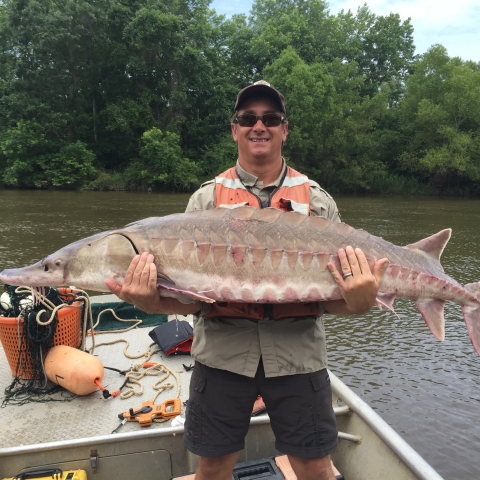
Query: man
[(242, 350)]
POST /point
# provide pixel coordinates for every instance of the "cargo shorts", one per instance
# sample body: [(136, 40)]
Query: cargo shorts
[(220, 406)]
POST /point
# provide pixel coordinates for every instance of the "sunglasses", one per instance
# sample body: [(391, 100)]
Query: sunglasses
[(268, 119)]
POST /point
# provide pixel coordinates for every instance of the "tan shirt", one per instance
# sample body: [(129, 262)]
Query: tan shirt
[(288, 346)]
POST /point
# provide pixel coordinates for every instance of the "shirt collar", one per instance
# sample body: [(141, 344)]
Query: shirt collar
[(250, 180)]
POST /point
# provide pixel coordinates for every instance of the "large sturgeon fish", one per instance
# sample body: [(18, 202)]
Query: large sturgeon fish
[(251, 255)]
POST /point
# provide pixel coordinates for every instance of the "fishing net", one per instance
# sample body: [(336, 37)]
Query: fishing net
[(37, 320)]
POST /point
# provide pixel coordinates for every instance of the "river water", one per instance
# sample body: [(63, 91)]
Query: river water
[(428, 391)]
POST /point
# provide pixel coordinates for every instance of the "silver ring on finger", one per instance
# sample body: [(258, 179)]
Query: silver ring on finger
[(347, 275)]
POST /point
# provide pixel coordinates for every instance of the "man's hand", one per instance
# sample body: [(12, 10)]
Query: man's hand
[(140, 284), (140, 289), (358, 282)]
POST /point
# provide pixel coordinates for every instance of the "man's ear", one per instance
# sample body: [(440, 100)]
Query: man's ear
[(234, 132), (285, 132)]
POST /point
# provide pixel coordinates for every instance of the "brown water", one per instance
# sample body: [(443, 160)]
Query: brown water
[(428, 391)]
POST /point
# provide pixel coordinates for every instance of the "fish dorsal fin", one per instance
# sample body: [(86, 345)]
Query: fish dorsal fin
[(433, 246)]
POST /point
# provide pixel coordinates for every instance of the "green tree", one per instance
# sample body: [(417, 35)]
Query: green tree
[(179, 73), (32, 160), (105, 72), (161, 164), (56, 56), (441, 119), (71, 167), (236, 39), (21, 147), (381, 46), (304, 25)]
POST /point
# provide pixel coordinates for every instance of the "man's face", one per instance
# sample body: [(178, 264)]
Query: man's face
[(259, 142)]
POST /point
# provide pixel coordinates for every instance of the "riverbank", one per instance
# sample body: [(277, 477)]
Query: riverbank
[(381, 185)]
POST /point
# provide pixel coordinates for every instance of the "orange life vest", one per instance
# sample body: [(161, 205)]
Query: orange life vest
[(292, 194)]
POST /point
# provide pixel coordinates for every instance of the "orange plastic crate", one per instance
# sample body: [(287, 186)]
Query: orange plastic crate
[(68, 332)]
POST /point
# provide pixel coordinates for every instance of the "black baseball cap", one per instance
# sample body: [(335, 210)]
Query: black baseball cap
[(261, 88)]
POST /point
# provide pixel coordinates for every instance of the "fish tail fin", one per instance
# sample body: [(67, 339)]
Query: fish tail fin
[(433, 246), (474, 289), (471, 315), (432, 312)]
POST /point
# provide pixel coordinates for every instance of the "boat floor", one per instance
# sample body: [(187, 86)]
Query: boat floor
[(77, 434), (91, 415)]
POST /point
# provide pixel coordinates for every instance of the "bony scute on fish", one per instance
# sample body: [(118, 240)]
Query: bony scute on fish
[(257, 256)]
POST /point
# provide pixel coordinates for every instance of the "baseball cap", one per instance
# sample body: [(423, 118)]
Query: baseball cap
[(260, 88)]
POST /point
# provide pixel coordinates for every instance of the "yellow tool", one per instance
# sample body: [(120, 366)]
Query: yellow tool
[(51, 473), (149, 411)]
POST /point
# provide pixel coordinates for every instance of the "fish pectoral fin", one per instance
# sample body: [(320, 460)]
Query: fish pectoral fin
[(432, 312), (167, 289), (163, 278), (386, 300)]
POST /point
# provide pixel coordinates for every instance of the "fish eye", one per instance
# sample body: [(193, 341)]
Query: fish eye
[(58, 263)]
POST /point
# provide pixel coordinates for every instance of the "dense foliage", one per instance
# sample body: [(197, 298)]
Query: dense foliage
[(138, 94)]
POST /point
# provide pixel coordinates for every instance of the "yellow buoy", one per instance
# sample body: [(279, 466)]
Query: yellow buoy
[(73, 369)]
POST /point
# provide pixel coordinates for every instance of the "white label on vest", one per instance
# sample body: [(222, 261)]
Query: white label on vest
[(235, 205), (233, 183)]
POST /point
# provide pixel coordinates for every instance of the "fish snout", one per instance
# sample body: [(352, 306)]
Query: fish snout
[(45, 273)]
